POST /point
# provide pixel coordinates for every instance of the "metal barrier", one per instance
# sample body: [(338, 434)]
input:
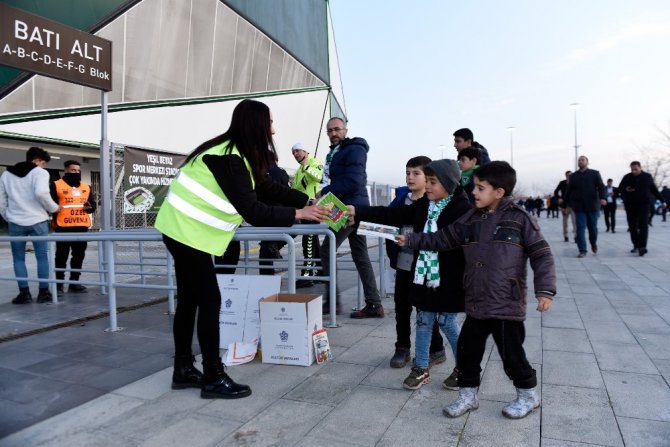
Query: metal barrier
[(107, 263)]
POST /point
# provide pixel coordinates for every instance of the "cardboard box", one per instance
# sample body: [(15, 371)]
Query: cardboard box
[(239, 319), (287, 323)]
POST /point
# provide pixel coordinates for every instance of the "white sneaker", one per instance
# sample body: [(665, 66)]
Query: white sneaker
[(526, 401), (467, 400)]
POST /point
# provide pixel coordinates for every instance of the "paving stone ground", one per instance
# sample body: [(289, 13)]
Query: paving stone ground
[(601, 352)]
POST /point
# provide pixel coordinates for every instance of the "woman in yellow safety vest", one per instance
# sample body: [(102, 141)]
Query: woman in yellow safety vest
[(214, 192)]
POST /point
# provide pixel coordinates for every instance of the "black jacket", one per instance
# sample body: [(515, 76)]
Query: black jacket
[(448, 297), (233, 177), (585, 191), (637, 190)]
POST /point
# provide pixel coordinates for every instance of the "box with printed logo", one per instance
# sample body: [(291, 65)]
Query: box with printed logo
[(239, 319), (287, 323)]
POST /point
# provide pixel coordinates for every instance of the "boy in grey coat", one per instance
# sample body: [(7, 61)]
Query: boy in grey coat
[(498, 237)]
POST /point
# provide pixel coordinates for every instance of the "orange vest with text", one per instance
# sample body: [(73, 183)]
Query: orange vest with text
[(72, 200)]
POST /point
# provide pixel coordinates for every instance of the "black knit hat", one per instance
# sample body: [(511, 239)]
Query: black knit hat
[(447, 172)]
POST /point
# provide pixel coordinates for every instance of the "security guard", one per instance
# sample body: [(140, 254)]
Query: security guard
[(307, 179), (74, 196)]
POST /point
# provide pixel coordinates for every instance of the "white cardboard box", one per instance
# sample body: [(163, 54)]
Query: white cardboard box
[(287, 324), (239, 315)]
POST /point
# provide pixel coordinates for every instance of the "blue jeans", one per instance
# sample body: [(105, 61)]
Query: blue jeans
[(424, 330), (587, 219), (19, 252)]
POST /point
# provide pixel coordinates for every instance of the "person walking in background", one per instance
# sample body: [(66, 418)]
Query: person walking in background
[(307, 179), (214, 192), (665, 192), (585, 195), (25, 203), (498, 238), (637, 189), (74, 198), (612, 194), (566, 211), (345, 176), (464, 138)]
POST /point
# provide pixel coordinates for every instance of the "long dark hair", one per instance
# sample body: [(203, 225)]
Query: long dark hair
[(251, 132)]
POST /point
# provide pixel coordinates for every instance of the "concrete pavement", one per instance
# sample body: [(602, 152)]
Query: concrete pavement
[(601, 352)]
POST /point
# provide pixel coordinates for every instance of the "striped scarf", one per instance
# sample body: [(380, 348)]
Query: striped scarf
[(428, 266)]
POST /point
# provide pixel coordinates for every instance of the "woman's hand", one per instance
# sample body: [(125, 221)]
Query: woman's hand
[(401, 240), (315, 212)]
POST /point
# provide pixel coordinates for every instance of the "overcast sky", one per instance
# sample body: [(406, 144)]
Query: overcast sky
[(413, 72)]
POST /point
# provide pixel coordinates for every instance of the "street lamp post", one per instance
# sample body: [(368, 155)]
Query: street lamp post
[(574, 106), (442, 147), (511, 130)]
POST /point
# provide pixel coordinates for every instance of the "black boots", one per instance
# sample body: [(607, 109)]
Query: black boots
[(24, 297), (185, 375), (218, 385)]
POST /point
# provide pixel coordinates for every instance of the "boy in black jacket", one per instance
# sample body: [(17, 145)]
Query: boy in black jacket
[(498, 238), (437, 278)]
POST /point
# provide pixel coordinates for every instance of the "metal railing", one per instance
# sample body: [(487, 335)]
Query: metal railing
[(107, 262)]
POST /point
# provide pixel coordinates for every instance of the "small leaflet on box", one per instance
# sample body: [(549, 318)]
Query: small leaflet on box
[(321, 346), (337, 218), (378, 230)]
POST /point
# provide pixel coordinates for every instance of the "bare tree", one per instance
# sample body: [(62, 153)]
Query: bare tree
[(655, 159)]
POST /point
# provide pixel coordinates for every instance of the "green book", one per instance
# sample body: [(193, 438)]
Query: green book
[(337, 218)]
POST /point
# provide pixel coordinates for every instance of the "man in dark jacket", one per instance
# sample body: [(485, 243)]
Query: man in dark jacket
[(637, 188), (344, 175), (585, 195)]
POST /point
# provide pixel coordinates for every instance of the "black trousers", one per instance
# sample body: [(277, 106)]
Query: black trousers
[(269, 250), (63, 249), (197, 292), (230, 257), (311, 251), (638, 224), (508, 337), (610, 216), (403, 314)]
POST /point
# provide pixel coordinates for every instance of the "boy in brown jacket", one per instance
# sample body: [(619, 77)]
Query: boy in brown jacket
[(497, 239)]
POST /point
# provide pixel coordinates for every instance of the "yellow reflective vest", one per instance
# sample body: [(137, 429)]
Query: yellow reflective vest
[(308, 177), (196, 212)]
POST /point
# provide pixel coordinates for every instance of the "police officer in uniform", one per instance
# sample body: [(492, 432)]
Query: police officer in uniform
[(74, 197)]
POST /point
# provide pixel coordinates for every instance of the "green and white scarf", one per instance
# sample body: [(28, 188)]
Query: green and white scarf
[(428, 266)]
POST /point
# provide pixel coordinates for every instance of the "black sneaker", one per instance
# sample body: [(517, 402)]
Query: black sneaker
[(642, 251), (400, 358), (24, 297), (77, 288), (417, 378), (44, 296), (451, 382), (369, 311), (634, 250), (594, 248)]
